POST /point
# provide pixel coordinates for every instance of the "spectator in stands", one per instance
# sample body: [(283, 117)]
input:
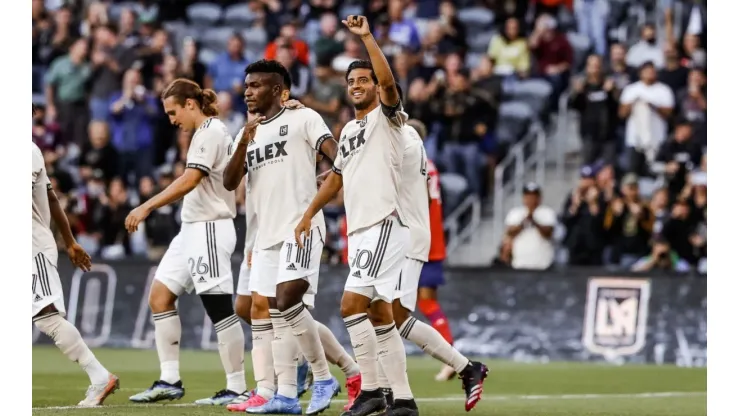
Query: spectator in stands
[(147, 10), (353, 50), (454, 31), (606, 182), (646, 104), (65, 92), (152, 56), (553, 53), (110, 59), (299, 73), (109, 217), (98, 154), (226, 72), (326, 94), (161, 225), (629, 223), (233, 120), (63, 34), (591, 16), (680, 154), (503, 258), (692, 104), (132, 113), (507, 9), (46, 134), (329, 45), (463, 115), (127, 33), (510, 51), (618, 69), (698, 202), (583, 217), (674, 75), (660, 209), (190, 65), (694, 54), (661, 258), (678, 229), (592, 97), (288, 36), (530, 228), (646, 50), (402, 31)]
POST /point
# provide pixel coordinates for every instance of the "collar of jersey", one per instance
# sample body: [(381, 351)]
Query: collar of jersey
[(205, 122), (279, 113)]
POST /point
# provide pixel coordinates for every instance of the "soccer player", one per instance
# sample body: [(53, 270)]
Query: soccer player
[(415, 200), (368, 166), (277, 151), (47, 299), (199, 257)]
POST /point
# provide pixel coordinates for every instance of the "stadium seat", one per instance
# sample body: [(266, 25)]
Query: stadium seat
[(238, 16), (114, 11), (206, 56), (533, 92), (581, 45), (204, 14), (216, 38), (478, 42), (255, 38), (475, 18), (349, 9), (514, 118)]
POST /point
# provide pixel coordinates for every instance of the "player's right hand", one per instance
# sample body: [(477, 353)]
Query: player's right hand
[(79, 257), (302, 231), (250, 129)]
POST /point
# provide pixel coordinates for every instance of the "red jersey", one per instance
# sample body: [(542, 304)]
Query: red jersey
[(438, 250)]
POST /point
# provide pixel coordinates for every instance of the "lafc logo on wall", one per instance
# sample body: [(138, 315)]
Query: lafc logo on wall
[(616, 316)]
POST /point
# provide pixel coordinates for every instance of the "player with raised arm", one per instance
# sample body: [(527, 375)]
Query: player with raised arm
[(47, 298), (368, 166), (415, 198), (277, 151), (199, 257)]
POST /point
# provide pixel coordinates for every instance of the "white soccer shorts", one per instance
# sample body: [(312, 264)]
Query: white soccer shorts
[(47, 287), (199, 258), (245, 271), (407, 287), (376, 257), (287, 262)]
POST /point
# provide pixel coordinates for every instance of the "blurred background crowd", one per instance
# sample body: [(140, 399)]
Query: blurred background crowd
[(477, 73)]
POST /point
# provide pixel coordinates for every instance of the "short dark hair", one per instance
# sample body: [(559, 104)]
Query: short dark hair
[(270, 67), (399, 90), (361, 64)]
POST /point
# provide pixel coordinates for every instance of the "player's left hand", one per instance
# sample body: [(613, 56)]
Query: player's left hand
[(357, 25), (302, 231), (79, 257), (134, 218), (294, 105)]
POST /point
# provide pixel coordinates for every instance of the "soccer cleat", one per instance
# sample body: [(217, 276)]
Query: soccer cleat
[(221, 398), (278, 405), (303, 378), (96, 395), (242, 398), (388, 394), (354, 384), (160, 390), (368, 402), (447, 373), (255, 401), (473, 377), (323, 392), (402, 407)]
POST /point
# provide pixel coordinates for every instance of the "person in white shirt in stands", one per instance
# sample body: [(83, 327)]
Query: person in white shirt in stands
[(646, 104), (530, 228)]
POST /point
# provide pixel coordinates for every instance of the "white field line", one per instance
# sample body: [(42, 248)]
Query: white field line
[(444, 399)]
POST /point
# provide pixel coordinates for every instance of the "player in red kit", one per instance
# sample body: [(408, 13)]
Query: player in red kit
[(432, 273)]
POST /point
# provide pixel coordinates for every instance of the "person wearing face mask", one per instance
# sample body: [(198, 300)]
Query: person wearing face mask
[(646, 50)]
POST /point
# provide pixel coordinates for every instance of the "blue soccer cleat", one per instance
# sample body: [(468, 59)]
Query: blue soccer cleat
[(303, 378), (278, 405), (160, 390), (323, 392)]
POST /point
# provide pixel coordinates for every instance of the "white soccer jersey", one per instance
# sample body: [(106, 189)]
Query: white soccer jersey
[(281, 170), (414, 196), (209, 152), (43, 238), (369, 160)]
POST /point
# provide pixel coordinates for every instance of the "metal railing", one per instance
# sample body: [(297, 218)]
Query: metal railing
[(522, 163), (457, 234)]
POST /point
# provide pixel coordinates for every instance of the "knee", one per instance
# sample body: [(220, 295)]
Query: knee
[(243, 308), (375, 317), (353, 304), (260, 308), (400, 314), (160, 301)]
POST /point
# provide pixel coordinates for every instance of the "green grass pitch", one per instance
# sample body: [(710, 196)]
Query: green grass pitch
[(512, 389)]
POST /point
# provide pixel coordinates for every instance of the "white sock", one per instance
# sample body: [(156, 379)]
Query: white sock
[(335, 352), (286, 351), (167, 332), (264, 369), (231, 349), (432, 343), (307, 336), (365, 345), (68, 339), (382, 378), (392, 356)]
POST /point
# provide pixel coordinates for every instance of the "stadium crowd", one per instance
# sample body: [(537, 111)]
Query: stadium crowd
[(99, 67)]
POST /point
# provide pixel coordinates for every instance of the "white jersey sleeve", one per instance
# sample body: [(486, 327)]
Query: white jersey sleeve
[(316, 129), (209, 152), (413, 196), (42, 238)]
